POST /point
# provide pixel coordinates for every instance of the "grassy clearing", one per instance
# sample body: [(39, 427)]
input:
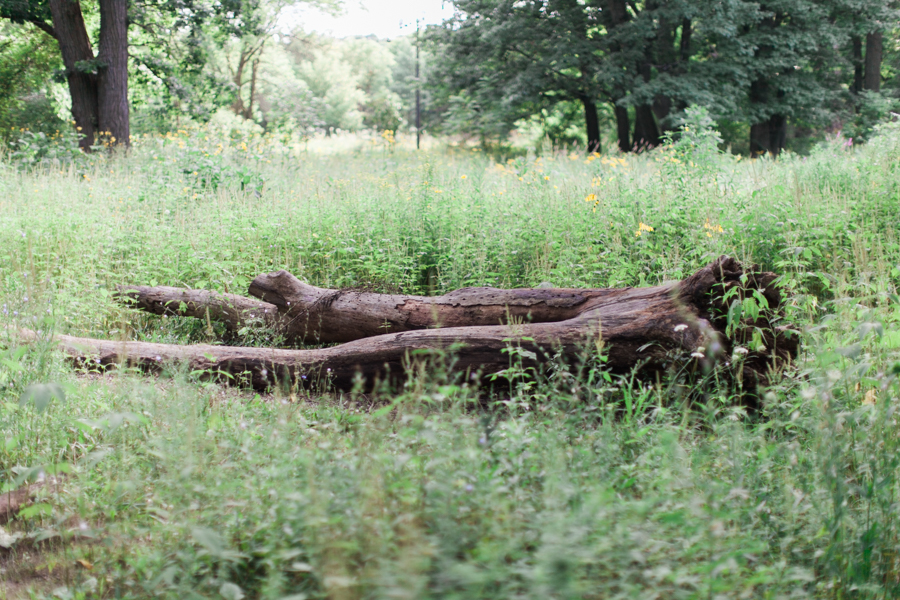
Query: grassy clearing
[(178, 488)]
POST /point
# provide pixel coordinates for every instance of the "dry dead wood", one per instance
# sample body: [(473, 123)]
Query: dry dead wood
[(640, 327)]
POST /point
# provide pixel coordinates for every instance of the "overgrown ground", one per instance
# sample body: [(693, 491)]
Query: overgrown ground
[(571, 487)]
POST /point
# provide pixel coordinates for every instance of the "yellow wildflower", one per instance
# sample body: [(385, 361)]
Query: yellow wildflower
[(711, 229), (590, 198), (642, 227)]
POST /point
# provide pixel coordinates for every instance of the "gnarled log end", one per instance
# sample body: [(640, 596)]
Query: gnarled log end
[(707, 291)]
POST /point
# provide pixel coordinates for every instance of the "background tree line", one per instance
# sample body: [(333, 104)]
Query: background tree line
[(762, 69), (772, 74)]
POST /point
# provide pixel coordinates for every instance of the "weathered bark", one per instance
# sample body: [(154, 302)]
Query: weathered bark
[(641, 327), (874, 52), (592, 124), (78, 57), (112, 82)]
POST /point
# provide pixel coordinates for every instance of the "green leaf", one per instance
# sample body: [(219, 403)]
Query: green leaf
[(209, 539), (36, 510), (231, 591), (41, 394)]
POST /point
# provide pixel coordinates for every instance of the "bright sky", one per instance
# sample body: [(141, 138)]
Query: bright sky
[(380, 17)]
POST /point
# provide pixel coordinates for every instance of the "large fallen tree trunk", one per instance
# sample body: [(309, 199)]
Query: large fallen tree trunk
[(645, 328)]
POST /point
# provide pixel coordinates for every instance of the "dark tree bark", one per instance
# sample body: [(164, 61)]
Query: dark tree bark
[(113, 74), (768, 135), (592, 123), (874, 53), (78, 58), (856, 57), (662, 108), (644, 328), (623, 128), (646, 132), (616, 15), (686, 28)]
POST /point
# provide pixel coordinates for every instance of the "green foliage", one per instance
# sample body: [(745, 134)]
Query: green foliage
[(28, 60)]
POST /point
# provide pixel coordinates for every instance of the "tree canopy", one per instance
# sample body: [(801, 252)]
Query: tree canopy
[(764, 64)]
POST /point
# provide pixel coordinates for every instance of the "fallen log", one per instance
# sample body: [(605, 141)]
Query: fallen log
[(644, 328)]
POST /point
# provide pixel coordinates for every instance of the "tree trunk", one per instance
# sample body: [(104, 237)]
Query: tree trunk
[(767, 136), (685, 40), (644, 328), (113, 79), (646, 132), (248, 113), (874, 52), (622, 128), (856, 58), (593, 124), (78, 58)]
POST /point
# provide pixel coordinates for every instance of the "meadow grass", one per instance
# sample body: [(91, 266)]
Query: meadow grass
[(176, 487)]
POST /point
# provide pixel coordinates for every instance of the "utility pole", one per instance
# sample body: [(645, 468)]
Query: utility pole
[(418, 93)]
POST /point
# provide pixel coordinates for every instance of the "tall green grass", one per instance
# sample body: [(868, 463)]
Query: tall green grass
[(170, 486)]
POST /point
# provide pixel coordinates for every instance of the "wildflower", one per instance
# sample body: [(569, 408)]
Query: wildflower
[(711, 229), (463, 177), (642, 227), (590, 198), (546, 178)]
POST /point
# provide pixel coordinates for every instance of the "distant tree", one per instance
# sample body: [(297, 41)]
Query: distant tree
[(332, 80), (511, 58)]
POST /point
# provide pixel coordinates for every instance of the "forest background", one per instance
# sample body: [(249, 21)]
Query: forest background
[(564, 73)]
